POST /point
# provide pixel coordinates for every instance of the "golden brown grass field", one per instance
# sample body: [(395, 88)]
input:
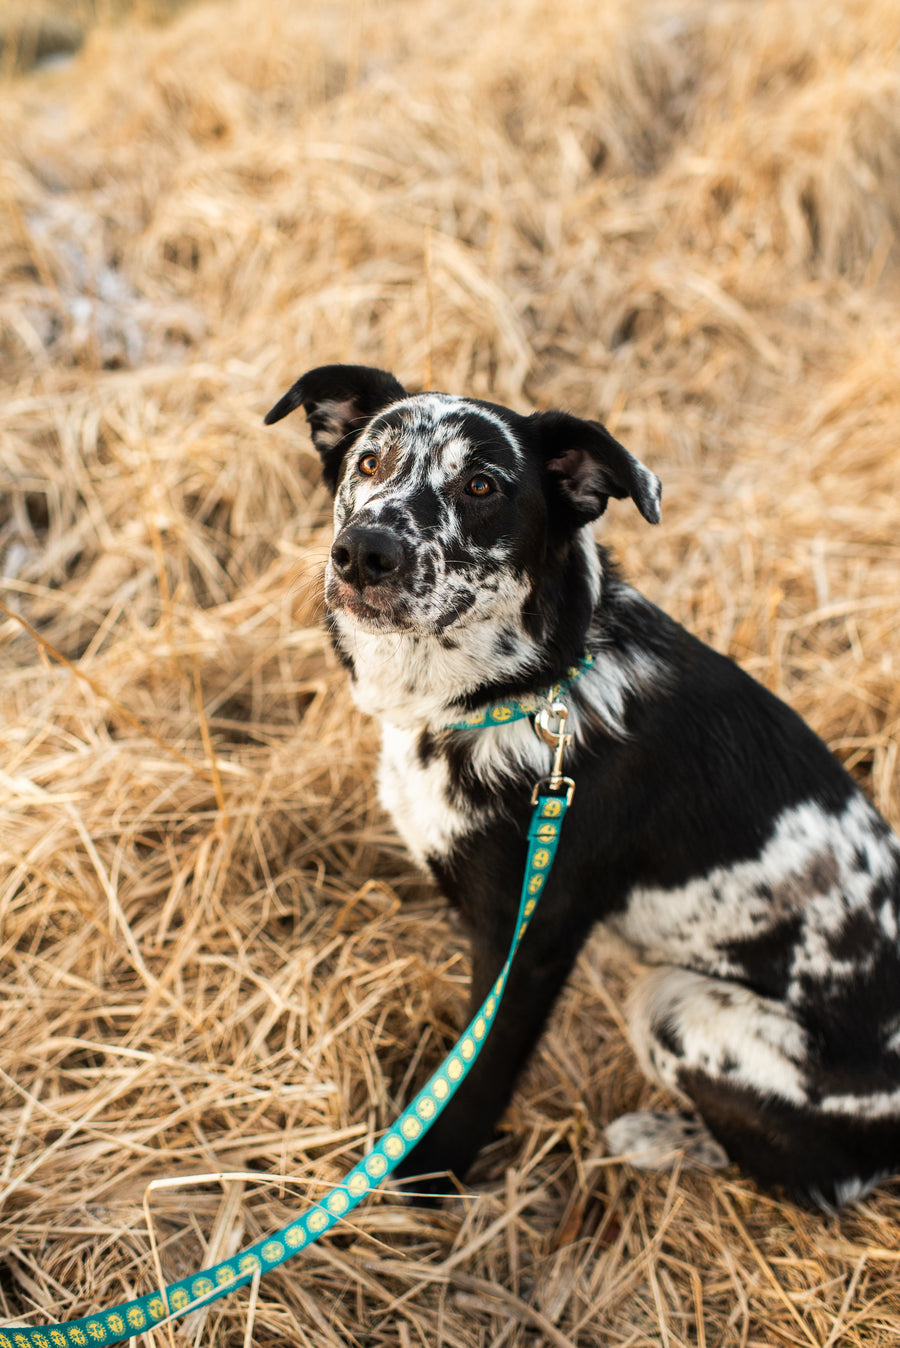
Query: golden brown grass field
[(679, 216)]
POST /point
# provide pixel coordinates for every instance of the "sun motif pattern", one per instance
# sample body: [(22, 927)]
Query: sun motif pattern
[(206, 1286), (505, 713)]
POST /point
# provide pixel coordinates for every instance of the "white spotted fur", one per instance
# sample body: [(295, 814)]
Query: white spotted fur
[(767, 1043), (684, 926)]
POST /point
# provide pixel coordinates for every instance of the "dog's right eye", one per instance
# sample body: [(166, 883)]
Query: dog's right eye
[(368, 465), (479, 486)]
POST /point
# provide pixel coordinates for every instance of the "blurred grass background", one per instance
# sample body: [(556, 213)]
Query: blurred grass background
[(679, 217)]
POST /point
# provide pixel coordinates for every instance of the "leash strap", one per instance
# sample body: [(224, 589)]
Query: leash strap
[(133, 1317)]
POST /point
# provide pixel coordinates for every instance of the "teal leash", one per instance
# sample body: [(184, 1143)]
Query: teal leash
[(550, 800)]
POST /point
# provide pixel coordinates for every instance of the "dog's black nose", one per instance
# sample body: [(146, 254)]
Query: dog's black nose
[(363, 556)]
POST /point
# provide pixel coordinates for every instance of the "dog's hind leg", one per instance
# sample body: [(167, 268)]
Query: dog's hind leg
[(682, 1021), (746, 1065), (675, 1019)]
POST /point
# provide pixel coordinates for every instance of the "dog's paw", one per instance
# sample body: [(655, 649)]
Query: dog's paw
[(655, 1140)]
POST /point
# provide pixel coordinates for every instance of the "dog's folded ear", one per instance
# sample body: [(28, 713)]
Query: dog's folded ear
[(339, 401), (591, 466)]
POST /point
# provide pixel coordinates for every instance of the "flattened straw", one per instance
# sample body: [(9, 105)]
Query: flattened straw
[(765, 1268), (100, 692), (251, 1308), (841, 1317), (697, 1294), (222, 820), (117, 917)]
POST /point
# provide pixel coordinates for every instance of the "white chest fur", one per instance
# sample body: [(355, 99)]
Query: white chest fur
[(429, 814), (418, 797)]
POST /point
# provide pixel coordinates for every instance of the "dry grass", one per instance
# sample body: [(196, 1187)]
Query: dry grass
[(681, 217)]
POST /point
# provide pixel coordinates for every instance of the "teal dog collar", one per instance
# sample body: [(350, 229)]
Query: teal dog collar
[(517, 709)]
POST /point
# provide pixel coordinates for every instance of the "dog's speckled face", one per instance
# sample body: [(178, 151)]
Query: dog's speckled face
[(439, 520), (448, 510)]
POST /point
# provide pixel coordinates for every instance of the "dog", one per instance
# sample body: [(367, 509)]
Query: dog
[(712, 833)]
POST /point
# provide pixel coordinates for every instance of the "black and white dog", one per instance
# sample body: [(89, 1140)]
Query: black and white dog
[(712, 832)]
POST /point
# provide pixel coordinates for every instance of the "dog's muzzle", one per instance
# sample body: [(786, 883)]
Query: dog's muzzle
[(387, 585), (365, 577)]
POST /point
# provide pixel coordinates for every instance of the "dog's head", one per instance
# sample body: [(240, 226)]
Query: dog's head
[(447, 509)]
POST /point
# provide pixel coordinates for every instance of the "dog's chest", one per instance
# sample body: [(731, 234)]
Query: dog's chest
[(420, 796)]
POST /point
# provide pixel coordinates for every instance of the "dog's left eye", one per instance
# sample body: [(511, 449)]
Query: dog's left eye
[(479, 486), (368, 465)]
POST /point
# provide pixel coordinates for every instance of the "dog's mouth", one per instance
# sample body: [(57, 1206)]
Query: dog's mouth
[(369, 617), (374, 608), (380, 608)]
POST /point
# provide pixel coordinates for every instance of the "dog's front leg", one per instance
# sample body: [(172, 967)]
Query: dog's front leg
[(541, 966)]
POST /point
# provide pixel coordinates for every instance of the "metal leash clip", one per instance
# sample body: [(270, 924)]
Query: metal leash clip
[(550, 725)]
